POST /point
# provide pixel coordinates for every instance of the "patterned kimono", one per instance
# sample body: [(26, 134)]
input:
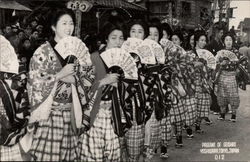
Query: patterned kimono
[(202, 90), (55, 137), (134, 137), (111, 120), (166, 128), (242, 75), (227, 92), (14, 113), (155, 103)]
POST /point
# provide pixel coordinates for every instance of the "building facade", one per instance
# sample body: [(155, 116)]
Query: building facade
[(185, 13)]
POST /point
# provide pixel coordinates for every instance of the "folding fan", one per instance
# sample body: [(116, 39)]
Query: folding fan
[(167, 44), (8, 58), (119, 57), (147, 52), (225, 53), (208, 56), (131, 45), (170, 47), (74, 46), (158, 51)]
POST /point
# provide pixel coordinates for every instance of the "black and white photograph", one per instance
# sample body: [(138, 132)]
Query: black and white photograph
[(125, 80)]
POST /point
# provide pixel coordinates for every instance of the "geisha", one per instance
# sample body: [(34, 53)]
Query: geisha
[(227, 92), (14, 108), (57, 99)]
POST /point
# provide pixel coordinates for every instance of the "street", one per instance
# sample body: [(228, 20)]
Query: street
[(234, 138)]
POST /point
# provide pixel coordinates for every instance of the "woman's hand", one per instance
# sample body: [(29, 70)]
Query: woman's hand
[(109, 79), (67, 70)]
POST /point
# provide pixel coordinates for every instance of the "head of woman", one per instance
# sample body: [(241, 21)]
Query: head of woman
[(113, 34), (62, 23), (177, 38), (155, 30), (228, 40), (166, 30), (200, 40), (138, 29)]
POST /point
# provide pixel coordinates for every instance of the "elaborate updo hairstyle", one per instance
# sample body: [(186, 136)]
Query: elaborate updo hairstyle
[(140, 22)]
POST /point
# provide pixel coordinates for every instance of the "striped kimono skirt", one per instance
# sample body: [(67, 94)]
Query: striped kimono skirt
[(191, 110), (100, 143), (178, 115), (166, 130), (227, 92), (203, 100), (153, 132), (134, 139), (11, 153), (54, 139)]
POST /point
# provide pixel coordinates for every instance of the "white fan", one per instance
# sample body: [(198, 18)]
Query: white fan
[(166, 43), (208, 56), (170, 47), (8, 58), (157, 50), (74, 46), (147, 52), (131, 45), (119, 57), (225, 53)]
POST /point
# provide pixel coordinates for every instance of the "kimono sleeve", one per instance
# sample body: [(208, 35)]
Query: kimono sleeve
[(41, 77)]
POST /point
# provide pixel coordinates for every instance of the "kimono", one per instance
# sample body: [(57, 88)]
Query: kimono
[(227, 92), (242, 75), (203, 88), (54, 104), (155, 103), (14, 114), (134, 137), (111, 119)]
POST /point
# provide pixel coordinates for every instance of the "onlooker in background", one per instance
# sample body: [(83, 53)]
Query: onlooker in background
[(28, 31), (232, 31), (7, 31), (245, 50), (33, 23), (34, 39), (25, 51), (216, 44)]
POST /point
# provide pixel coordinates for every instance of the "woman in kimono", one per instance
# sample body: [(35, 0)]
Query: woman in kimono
[(153, 135), (102, 141), (203, 77), (50, 87), (178, 110), (14, 111), (134, 137), (227, 92)]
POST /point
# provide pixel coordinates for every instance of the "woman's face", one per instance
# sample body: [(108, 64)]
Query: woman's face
[(165, 34), (64, 27), (176, 40), (115, 39), (154, 34), (191, 41), (201, 43), (137, 31), (228, 42)]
